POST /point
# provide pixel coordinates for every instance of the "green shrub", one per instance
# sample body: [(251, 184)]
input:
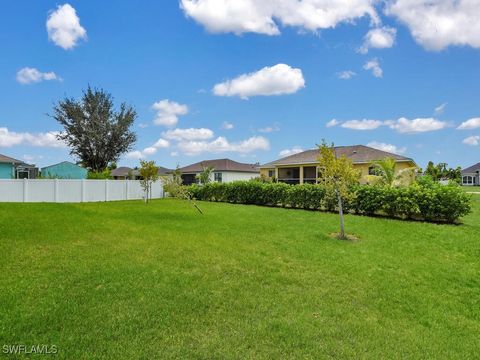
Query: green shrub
[(425, 200)]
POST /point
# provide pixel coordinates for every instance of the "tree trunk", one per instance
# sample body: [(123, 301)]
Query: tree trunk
[(340, 212)]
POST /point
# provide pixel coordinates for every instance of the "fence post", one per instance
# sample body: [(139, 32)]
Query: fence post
[(106, 190), (25, 190), (83, 191), (127, 188), (55, 190)]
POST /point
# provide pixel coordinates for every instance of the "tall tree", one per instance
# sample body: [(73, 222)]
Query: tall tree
[(337, 175), (95, 132)]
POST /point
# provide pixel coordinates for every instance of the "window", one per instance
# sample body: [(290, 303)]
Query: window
[(372, 170), (468, 180), (271, 173), (217, 177)]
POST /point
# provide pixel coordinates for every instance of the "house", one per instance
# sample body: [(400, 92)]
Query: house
[(225, 170), (471, 175), (11, 168), (303, 167), (124, 173), (64, 170)]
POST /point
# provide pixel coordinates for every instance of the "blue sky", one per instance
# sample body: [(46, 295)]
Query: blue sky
[(278, 67)]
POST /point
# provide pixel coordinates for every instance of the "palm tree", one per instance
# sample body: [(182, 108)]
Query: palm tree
[(385, 173), (205, 176)]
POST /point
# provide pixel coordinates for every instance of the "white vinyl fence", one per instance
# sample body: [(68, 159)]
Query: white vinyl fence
[(60, 190)]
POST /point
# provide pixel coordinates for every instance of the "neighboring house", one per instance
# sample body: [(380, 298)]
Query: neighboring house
[(11, 168), (124, 173), (471, 175), (303, 167), (225, 170), (64, 170)]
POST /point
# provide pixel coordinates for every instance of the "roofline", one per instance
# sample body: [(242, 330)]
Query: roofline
[(214, 170), (315, 163), (61, 162)]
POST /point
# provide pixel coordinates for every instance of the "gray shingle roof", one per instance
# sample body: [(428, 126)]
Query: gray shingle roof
[(220, 165), (358, 154), (472, 169), (7, 159), (125, 171)]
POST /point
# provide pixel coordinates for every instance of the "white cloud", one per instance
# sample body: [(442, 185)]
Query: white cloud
[(275, 80), (63, 27), (332, 123), (151, 150), (161, 144), (473, 123), (374, 65), (365, 124), (168, 112), (221, 144), (269, 129), (11, 138), (346, 75), (292, 151), (440, 109), (387, 147), (264, 17), (404, 125), (227, 125), (379, 38), (472, 140), (188, 134), (29, 75), (135, 155), (438, 24)]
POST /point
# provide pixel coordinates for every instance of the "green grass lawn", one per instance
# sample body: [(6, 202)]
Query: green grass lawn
[(471, 188), (129, 281)]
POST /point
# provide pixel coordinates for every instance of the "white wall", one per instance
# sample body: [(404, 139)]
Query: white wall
[(229, 176), (62, 190)]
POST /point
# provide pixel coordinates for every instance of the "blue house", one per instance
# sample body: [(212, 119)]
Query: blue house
[(64, 170), (11, 168)]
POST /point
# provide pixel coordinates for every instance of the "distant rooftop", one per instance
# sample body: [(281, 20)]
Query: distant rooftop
[(359, 154), (472, 169), (220, 165), (126, 171), (7, 159)]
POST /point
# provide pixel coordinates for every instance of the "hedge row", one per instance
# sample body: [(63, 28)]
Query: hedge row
[(430, 202)]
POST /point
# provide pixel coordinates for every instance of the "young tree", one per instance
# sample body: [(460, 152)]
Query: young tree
[(205, 176), (386, 173), (149, 174), (337, 175), (95, 132), (173, 185)]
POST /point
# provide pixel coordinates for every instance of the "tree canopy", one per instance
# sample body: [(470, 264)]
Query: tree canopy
[(95, 132)]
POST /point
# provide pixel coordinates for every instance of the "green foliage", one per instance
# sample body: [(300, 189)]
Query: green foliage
[(441, 171), (428, 201), (99, 175), (172, 184), (148, 175), (337, 177), (385, 173), (206, 175), (96, 133)]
